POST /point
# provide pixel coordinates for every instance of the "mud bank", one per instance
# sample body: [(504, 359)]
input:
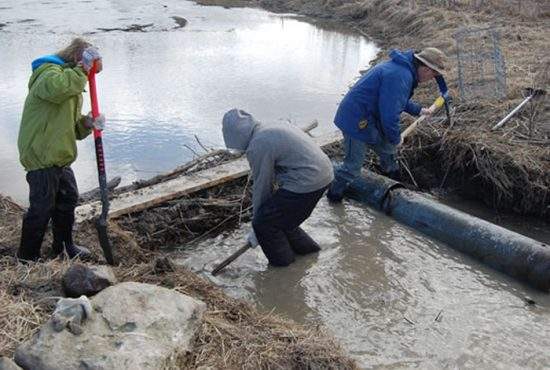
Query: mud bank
[(507, 169), (233, 335)]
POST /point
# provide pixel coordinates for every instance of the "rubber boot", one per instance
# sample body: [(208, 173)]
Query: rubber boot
[(394, 175), (32, 234), (63, 238), (335, 192), (74, 251), (301, 243)]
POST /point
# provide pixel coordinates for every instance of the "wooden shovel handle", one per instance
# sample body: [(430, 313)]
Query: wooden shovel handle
[(438, 103)]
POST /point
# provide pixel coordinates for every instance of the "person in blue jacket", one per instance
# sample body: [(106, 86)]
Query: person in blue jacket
[(369, 114)]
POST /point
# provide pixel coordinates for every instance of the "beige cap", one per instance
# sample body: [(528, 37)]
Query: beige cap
[(433, 58)]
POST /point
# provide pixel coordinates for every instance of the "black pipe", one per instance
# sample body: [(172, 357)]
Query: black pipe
[(507, 251)]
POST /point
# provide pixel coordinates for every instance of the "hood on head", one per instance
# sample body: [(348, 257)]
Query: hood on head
[(46, 59), (237, 128), (405, 58)]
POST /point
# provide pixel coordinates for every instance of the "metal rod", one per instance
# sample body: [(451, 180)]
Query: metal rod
[(516, 109)]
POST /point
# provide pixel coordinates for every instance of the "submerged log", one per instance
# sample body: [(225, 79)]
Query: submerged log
[(507, 251)]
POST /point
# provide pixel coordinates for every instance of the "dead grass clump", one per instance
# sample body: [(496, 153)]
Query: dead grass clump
[(483, 165), (27, 298)]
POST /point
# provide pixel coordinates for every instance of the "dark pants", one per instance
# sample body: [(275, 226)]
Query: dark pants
[(53, 194), (277, 222)]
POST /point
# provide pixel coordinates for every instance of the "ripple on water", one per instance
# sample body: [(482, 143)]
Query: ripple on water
[(393, 297)]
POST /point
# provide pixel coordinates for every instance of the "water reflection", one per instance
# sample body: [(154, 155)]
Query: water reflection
[(160, 88)]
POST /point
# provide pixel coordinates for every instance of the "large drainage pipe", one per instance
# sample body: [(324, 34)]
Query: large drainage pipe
[(507, 251)]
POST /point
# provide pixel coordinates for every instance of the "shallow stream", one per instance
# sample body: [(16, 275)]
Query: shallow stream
[(393, 297)]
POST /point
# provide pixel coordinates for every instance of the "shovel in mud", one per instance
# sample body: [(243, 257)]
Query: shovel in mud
[(101, 222), (230, 259), (530, 94)]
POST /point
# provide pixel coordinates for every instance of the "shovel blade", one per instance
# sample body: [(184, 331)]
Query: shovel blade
[(105, 243)]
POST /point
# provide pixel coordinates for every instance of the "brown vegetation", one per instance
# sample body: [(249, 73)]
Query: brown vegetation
[(233, 335)]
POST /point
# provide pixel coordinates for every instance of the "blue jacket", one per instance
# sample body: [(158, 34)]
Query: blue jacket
[(379, 97)]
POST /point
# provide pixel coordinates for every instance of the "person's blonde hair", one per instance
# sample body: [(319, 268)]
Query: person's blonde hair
[(73, 52)]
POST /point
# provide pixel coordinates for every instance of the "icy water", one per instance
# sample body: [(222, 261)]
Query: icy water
[(163, 86), (394, 298)]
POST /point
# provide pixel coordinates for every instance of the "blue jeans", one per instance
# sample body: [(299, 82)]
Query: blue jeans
[(355, 152)]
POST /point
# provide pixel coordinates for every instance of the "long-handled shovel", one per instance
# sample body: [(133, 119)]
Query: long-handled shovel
[(230, 259), (101, 222)]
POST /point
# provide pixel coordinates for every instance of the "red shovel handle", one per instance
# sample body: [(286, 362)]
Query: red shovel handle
[(93, 96), (101, 223)]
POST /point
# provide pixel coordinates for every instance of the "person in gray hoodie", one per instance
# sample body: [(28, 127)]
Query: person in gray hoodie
[(284, 156)]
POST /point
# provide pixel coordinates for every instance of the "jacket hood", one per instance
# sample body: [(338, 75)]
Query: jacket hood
[(39, 65), (405, 58), (46, 59), (238, 127)]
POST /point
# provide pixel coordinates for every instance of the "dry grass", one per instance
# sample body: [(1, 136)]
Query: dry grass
[(27, 297)]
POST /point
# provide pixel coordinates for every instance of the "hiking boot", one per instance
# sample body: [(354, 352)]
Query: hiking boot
[(74, 251), (334, 197), (394, 175), (26, 258)]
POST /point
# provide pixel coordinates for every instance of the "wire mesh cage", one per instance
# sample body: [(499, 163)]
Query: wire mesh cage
[(481, 65)]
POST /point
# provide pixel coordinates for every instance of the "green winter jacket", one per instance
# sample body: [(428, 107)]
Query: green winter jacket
[(52, 121)]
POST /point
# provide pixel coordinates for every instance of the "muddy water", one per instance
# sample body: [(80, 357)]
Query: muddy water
[(163, 86), (394, 298)]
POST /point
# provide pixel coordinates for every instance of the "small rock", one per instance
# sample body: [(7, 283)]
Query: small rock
[(8, 364), (70, 313), (87, 280), (163, 265)]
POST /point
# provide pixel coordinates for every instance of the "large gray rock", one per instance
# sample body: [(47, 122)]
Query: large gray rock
[(8, 364), (87, 280), (132, 326)]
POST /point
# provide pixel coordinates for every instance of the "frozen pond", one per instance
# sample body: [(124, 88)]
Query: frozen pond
[(163, 86)]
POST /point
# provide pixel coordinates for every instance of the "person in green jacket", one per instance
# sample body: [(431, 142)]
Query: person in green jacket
[(50, 125)]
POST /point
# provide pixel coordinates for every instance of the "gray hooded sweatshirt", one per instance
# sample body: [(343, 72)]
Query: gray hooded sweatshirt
[(281, 154)]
